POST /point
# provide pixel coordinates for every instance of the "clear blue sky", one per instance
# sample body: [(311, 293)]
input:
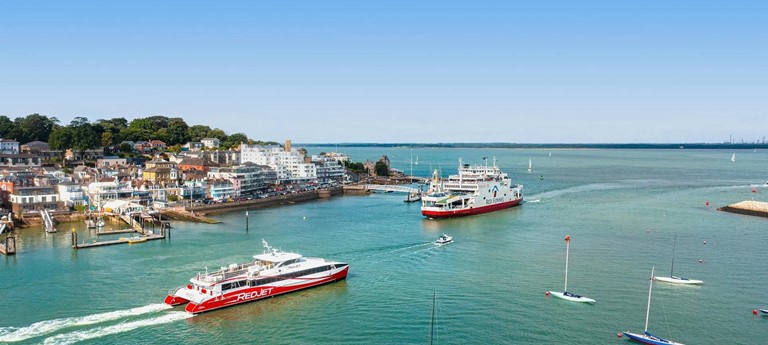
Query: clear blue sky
[(398, 71)]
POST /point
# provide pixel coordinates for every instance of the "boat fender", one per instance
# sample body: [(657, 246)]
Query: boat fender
[(203, 291), (189, 286)]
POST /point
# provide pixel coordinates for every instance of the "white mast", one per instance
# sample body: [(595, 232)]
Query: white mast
[(567, 250), (648, 308)]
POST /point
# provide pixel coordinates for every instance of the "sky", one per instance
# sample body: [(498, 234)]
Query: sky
[(545, 71)]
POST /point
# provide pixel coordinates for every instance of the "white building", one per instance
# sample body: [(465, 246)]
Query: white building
[(328, 169), (288, 163), (71, 194), (211, 142), (101, 192), (9, 146)]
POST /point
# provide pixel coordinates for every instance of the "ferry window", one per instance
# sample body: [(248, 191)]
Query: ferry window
[(226, 286)]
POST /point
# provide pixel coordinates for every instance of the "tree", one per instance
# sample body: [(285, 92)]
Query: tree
[(234, 140), (9, 129), (126, 147), (177, 132), (60, 138), (35, 127), (381, 169), (107, 139), (218, 134), (197, 132)]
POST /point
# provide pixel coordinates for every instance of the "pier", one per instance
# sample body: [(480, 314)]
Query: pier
[(138, 222)]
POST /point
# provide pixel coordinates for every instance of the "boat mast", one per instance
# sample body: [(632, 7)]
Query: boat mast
[(648, 308), (672, 270), (567, 249), (432, 321)]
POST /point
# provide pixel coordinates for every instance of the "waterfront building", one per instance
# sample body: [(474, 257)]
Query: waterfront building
[(246, 179), (328, 169), (70, 194), (99, 193), (220, 189), (29, 199), (288, 163)]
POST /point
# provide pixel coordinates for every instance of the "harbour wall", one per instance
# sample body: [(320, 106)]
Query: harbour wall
[(748, 207)]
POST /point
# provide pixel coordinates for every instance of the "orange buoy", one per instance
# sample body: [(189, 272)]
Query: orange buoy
[(754, 311)]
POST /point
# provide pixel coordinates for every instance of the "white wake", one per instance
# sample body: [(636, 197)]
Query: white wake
[(10, 334), (77, 336)]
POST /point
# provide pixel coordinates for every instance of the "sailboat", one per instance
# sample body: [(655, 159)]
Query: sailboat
[(417, 160), (565, 294), (530, 167), (675, 279), (647, 337), (733, 158)]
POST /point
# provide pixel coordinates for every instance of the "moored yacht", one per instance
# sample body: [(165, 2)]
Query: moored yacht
[(269, 274), (474, 190)]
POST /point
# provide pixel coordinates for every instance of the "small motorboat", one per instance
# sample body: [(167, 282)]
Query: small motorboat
[(763, 312), (444, 239)]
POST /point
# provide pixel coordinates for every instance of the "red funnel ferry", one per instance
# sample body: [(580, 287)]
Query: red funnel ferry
[(273, 273), (476, 189)]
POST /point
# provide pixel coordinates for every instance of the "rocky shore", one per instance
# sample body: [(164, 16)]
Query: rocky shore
[(748, 207)]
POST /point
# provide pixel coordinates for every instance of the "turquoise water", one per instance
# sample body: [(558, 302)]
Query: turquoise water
[(622, 209)]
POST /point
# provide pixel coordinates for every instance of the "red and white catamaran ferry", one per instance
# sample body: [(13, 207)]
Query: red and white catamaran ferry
[(476, 189), (273, 273)]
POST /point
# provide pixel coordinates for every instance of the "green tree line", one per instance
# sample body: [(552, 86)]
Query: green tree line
[(82, 134)]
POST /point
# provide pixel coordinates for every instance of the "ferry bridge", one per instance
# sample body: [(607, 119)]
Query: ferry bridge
[(392, 188)]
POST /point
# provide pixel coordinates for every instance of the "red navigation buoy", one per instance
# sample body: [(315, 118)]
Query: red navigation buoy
[(567, 237), (618, 334), (546, 293), (754, 190), (707, 202), (754, 311)]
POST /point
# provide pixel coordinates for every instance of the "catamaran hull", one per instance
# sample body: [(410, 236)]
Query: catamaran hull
[(580, 299), (469, 211), (641, 338), (251, 294), (673, 280)]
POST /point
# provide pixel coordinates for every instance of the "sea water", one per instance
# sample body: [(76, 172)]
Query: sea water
[(622, 209)]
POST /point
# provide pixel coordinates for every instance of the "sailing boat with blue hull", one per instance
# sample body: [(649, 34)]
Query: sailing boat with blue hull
[(565, 294), (647, 337), (672, 277)]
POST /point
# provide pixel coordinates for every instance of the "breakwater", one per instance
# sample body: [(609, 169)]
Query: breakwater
[(748, 207)]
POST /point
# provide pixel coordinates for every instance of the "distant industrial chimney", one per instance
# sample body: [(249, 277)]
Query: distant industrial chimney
[(287, 147)]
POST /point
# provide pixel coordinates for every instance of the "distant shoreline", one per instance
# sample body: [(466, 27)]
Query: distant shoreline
[(722, 146)]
